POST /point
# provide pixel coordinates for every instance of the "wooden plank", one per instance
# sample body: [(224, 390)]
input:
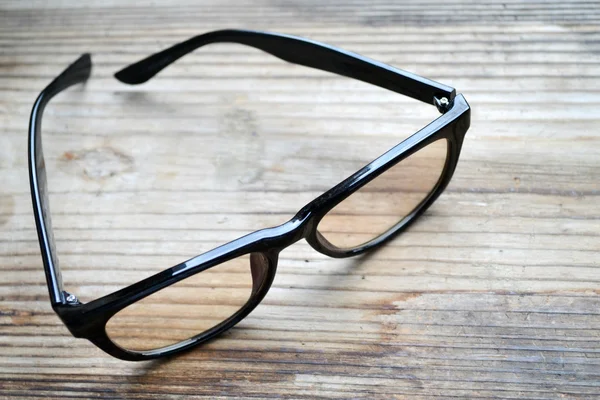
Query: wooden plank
[(493, 294)]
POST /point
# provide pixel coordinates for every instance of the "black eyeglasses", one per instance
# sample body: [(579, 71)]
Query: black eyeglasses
[(231, 280)]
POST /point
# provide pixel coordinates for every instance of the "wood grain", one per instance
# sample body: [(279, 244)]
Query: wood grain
[(493, 294)]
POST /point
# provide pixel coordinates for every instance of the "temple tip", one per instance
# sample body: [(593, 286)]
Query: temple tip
[(142, 71), (82, 67), (132, 76)]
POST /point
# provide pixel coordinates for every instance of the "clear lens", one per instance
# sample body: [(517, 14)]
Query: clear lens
[(382, 203), (188, 307)]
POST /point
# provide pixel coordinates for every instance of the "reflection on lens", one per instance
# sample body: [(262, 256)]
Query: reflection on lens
[(188, 307), (382, 203)]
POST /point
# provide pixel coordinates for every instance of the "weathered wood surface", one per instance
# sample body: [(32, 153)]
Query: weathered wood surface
[(493, 294)]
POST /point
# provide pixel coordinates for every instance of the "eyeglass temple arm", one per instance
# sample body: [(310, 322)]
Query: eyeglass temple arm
[(77, 72), (298, 51)]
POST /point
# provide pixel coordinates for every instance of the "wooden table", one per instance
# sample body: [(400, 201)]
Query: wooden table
[(494, 293)]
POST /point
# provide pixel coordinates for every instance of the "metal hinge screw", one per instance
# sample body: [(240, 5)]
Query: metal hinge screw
[(71, 298), (442, 104)]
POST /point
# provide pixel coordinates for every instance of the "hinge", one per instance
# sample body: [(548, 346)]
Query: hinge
[(442, 104), (71, 299)]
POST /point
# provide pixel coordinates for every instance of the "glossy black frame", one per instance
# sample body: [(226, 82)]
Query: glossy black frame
[(89, 320)]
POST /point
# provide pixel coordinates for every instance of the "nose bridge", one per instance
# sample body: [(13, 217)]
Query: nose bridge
[(290, 232), (304, 223)]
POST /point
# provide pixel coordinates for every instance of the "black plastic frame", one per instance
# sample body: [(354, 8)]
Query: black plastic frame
[(89, 320)]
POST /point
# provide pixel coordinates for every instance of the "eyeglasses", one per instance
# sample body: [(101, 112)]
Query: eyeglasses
[(230, 281)]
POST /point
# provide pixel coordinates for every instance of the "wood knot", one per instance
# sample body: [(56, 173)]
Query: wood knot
[(99, 163), (7, 208)]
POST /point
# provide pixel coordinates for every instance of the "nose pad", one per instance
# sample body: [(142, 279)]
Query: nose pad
[(259, 267)]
